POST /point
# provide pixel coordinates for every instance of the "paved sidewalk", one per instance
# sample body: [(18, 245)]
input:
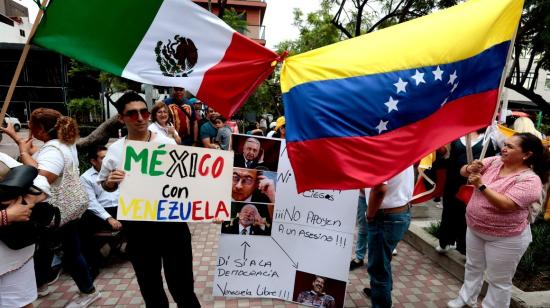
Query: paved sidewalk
[(418, 282)]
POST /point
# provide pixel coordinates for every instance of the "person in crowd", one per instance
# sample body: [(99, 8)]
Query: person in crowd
[(17, 277), (208, 131), (151, 245), (280, 128), (102, 211), (247, 222), (497, 216), (362, 231), (223, 139), (249, 158), (183, 116), (388, 218), (272, 131), (59, 134), (254, 129), (525, 125), (163, 123), (453, 219), (317, 297), (250, 185)]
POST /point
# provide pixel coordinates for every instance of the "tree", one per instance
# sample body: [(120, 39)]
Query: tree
[(532, 42), (236, 20)]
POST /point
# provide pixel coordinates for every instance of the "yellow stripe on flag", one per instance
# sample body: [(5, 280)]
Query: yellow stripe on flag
[(447, 36)]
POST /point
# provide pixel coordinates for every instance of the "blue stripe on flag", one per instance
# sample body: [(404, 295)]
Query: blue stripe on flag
[(375, 104)]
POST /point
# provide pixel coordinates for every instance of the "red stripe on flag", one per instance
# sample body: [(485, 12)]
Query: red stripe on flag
[(357, 162), (227, 85)]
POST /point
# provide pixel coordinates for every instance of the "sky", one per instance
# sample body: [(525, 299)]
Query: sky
[(277, 21), (279, 17)]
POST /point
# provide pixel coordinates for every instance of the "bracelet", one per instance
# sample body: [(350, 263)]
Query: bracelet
[(4, 218)]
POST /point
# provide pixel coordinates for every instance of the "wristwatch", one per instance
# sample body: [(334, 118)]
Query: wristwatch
[(482, 187)]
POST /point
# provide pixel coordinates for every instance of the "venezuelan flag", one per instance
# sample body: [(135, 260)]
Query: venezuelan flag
[(360, 111)]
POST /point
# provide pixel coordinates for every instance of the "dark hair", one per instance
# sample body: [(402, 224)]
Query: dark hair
[(540, 160), (126, 98), (56, 125), (222, 118), (158, 106), (92, 152)]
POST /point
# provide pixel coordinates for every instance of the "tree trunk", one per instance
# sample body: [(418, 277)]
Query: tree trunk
[(100, 135), (534, 97)]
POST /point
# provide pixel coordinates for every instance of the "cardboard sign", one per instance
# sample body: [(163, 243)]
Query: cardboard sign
[(174, 183), (300, 252)]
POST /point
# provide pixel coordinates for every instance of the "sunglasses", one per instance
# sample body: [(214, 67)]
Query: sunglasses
[(134, 114)]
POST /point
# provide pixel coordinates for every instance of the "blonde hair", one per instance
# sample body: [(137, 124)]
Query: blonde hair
[(56, 125), (525, 125)]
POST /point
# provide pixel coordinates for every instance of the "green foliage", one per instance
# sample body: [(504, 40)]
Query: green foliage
[(434, 228), (537, 257), (316, 30), (236, 20), (84, 109)]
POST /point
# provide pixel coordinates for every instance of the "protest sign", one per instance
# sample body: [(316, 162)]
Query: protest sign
[(302, 245), (171, 183)]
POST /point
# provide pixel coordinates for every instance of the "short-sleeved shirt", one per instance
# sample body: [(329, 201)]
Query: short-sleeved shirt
[(208, 131), (400, 189), (523, 188), (50, 159), (314, 299)]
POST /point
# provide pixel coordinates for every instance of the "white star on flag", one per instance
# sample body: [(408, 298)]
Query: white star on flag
[(438, 74), (392, 104), (454, 87), (452, 77), (444, 102), (419, 77), (382, 126), (400, 85)]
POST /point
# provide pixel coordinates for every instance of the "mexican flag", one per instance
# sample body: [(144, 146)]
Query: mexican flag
[(167, 43)]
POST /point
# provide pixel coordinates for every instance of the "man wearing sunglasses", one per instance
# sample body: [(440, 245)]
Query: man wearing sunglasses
[(151, 245)]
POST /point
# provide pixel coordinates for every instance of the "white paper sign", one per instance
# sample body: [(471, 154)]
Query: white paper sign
[(171, 183), (311, 235)]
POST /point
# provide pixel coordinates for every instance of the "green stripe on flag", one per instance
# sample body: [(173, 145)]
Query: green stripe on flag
[(100, 33)]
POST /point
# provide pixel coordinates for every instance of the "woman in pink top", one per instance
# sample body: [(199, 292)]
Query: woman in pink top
[(498, 230)]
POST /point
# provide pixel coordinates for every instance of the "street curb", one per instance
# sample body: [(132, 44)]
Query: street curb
[(453, 262)]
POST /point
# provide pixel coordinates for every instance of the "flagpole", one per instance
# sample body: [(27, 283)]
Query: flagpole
[(501, 86), (22, 60)]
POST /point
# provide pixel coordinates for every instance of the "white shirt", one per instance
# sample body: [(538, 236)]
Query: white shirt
[(114, 155), (14, 259), (98, 197), (241, 228), (50, 159), (156, 128), (400, 189)]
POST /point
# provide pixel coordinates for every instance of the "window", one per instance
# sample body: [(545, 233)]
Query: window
[(22, 32), (528, 80)]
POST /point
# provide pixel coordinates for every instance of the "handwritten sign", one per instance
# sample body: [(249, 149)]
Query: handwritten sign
[(171, 183), (308, 250)]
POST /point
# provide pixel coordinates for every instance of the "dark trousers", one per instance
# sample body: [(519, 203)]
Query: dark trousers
[(152, 246), (74, 262), (90, 224), (453, 224)]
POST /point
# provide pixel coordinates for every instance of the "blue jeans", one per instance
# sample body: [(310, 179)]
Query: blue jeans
[(361, 243), (385, 231)]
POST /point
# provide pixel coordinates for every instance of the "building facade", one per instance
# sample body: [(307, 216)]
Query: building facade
[(254, 11), (43, 80)]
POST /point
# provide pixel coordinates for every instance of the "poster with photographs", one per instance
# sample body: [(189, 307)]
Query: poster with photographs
[(278, 243)]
